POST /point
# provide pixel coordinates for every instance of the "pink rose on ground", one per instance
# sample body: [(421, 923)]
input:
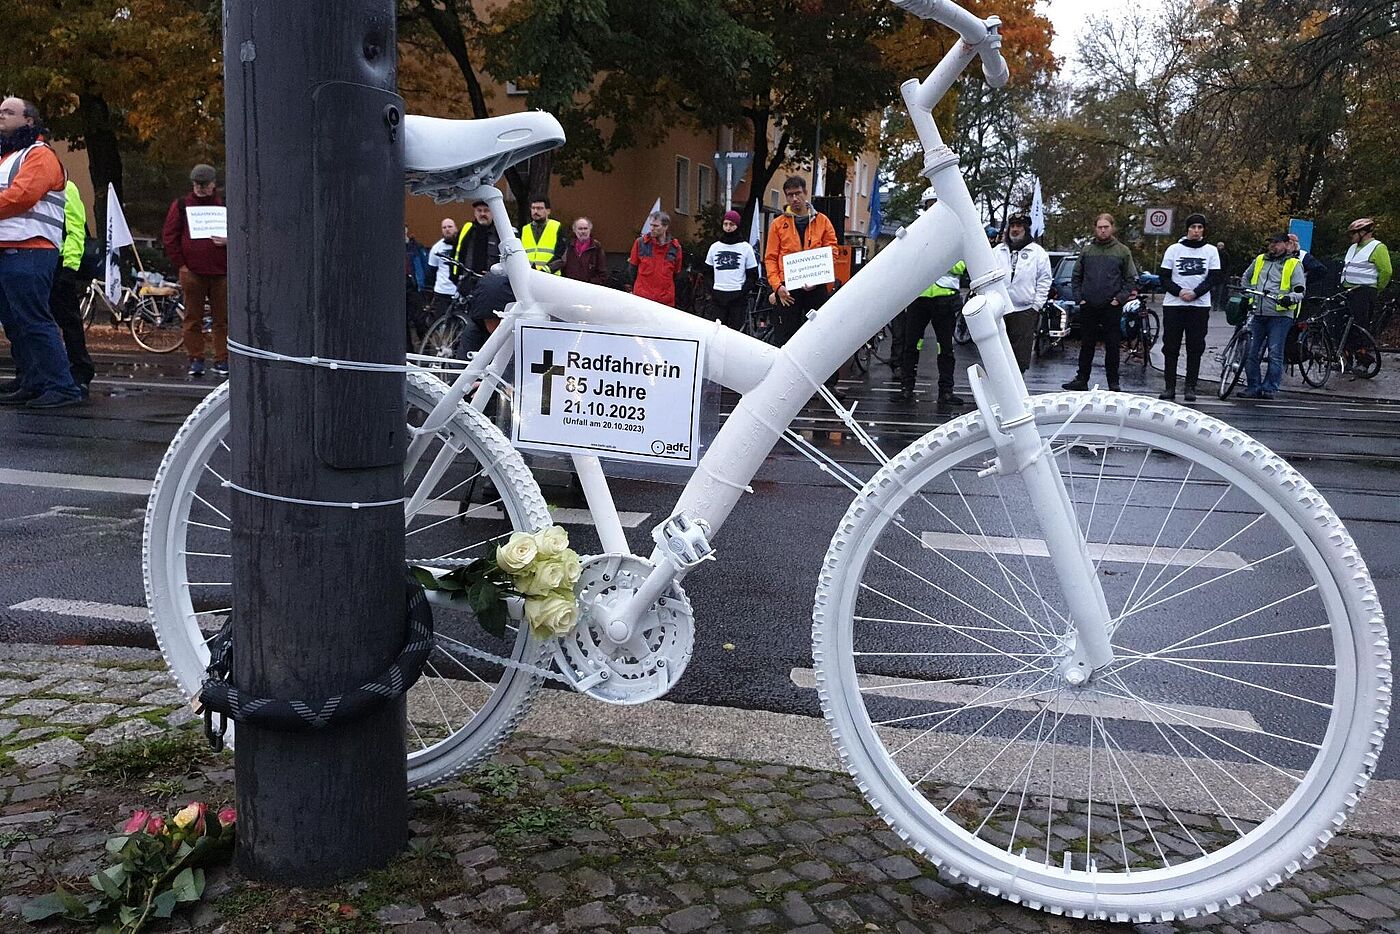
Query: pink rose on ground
[(155, 825), (227, 817), (136, 822)]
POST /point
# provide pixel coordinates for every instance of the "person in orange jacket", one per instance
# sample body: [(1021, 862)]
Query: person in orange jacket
[(31, 232), (801, 227)]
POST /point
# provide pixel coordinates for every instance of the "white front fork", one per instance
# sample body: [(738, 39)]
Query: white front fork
[(1021, 450)]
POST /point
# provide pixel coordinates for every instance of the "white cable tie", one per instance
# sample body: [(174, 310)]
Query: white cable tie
[(816, 386), (229, 484), (742, 487)]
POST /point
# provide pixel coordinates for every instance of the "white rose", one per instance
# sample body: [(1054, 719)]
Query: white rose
[(552, 614), (573, 568), (515, 555), (552, 541), (544, 575)]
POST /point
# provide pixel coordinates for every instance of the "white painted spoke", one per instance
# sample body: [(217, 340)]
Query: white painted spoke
[(1026, 560), (954, 626), (202, 554), (1005, 575), (1184, 643), (212, 508), (976, 540), (1185, 721), (205, 525), (1214, 580), (975, 733), (977, 610), (1150, 594), (1122, 510), (1166, 520), (433, 525), (900, 603), (1149, 590)]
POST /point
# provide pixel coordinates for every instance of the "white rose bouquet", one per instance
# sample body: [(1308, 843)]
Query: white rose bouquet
[(539, 566)]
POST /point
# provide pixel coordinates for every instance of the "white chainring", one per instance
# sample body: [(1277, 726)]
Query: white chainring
[(645, 666)]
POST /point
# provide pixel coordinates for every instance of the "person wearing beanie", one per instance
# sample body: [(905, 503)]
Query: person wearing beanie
[(734, 270), (203, 266), (1190, 272)]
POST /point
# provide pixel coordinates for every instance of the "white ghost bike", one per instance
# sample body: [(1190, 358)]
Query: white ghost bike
[(1096, 653)]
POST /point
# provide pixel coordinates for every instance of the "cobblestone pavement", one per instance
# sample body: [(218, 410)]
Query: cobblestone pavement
[(554, 835)]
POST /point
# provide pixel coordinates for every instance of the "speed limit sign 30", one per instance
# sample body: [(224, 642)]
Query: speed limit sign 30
[(1158, 222)]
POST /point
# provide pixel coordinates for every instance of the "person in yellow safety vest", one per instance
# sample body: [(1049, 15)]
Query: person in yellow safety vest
[(478, 246), (1366, 271), (1276, 272), (938, 305), (544, 239)]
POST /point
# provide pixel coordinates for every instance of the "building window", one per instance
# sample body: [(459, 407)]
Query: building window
[(775, 199), (705, 177), (682, 185), (514, 89)]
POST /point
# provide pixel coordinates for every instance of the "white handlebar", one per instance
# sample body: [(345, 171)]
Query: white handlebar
[(984, 35)]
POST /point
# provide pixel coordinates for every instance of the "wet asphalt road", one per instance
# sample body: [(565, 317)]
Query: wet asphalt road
[(60, 541)]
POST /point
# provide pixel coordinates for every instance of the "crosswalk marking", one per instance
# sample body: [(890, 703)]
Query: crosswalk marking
[(1099, 551), (1067, 702)]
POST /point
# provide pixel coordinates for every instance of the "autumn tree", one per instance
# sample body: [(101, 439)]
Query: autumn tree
[(986, 126), (117, 77)]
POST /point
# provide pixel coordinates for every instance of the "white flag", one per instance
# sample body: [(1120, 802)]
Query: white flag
[(118, 236), (1037, 212), (646, 224), (754, 233)]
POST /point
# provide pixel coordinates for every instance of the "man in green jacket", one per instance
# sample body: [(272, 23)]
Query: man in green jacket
[(68, 287), (1104, 279)]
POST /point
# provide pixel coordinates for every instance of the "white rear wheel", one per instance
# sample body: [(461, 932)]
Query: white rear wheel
[(464, 706), (1223, 746)]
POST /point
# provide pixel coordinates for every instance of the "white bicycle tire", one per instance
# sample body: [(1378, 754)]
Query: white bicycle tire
[(176, 625), (1260, 860)]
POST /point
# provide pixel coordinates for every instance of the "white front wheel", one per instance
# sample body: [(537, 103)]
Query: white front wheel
[(1242, 715)]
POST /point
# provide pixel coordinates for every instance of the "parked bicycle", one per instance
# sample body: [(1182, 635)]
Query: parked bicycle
[(1139, 327), (444, 335), (1330, 341), (1021, 644), (152, 311), (1052, 328)]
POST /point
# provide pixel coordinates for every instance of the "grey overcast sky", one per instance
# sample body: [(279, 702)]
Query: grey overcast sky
[(1069, 16)]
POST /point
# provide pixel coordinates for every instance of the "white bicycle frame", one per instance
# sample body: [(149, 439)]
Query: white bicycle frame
[(775, 383)]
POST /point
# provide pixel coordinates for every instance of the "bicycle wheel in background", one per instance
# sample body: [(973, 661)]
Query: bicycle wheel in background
[(961, 335), (87, 306), (1149, 328), (1314, 354), (464, 705), (1232, 362), (1363, 359), (1231, 735), (443, 336), (157, 323)]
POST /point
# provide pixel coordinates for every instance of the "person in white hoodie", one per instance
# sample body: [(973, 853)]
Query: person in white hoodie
[(1027, 267)]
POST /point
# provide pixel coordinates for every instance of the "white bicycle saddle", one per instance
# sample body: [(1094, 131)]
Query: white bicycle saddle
[(447, 159)]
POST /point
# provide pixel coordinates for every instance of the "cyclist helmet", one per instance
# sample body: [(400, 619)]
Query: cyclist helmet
[(1361, 225)]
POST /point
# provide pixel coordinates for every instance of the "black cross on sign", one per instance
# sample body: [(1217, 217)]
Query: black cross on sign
[(548, 369)]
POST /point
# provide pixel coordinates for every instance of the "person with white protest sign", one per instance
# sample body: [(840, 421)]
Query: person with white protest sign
[(199, 251), (800, 229)]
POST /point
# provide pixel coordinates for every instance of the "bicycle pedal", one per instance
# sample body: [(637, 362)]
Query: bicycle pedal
[(686, 541)]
